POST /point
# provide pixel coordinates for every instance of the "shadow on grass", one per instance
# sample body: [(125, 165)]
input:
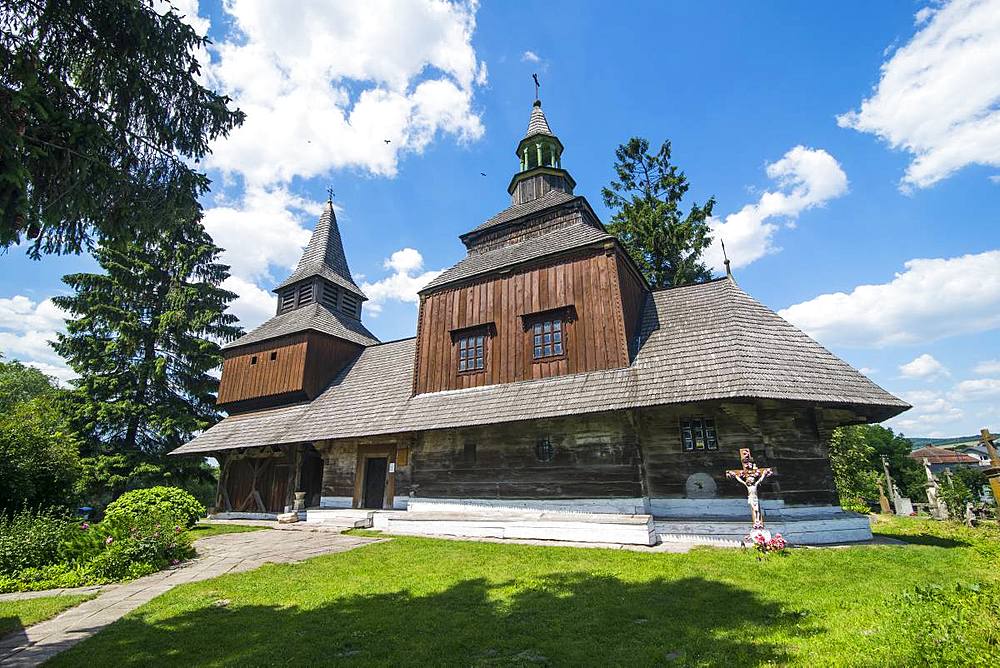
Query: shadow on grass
[(926, 539), (9, 626), (569, 619)]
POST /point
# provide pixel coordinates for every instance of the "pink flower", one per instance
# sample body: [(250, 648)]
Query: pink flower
[(109, 540), (85, 526), (177, 529), (174, 562)]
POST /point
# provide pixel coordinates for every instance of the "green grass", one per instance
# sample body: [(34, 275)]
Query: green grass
[(199, 531), (17, 615), (414, 601)]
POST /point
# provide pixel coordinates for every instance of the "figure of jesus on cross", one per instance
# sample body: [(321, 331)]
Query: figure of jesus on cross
[(751, 476)]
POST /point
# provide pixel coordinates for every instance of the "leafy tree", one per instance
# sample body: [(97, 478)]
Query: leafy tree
[(908, 473), (143, 337), (39, 451), (101, 115), (20, 382), (666, 245), (851, 459)]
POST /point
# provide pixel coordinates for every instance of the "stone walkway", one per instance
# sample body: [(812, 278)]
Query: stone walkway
[(228, 553)]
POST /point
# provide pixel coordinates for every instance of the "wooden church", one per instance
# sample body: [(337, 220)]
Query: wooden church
[(545, 377)]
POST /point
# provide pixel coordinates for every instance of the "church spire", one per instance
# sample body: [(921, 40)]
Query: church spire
[(540, 156)]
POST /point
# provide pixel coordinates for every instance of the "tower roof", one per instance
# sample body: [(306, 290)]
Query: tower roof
[(538, 124), (324, 256)]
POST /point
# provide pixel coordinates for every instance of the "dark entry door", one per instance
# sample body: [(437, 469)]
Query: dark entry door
[(375, 471)]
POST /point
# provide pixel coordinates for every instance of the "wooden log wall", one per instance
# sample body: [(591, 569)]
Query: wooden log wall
[(595, 456), (303, 365), (781, 435), (595, 339)]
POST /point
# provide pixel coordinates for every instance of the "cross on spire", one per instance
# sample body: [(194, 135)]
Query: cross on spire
[(329, 194), (535, 77)]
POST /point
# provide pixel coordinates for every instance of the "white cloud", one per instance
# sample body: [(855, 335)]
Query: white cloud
[(26, 327), (806, 178), (938, 97), (325, 85), (995, 178), (402, 285), (264, 229), (530, 57), (931, 299), (924, 367), (933, 414), (253, 305), (979, 388), (988, 367)]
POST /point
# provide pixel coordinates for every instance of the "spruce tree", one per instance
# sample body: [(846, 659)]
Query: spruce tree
[(143, 337), (646, 197), (103, 116)]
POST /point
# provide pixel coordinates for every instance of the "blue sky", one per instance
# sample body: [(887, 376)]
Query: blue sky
[(851, 144)]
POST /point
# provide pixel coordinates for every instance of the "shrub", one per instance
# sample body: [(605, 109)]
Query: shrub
[(156, 501), (31, 539)]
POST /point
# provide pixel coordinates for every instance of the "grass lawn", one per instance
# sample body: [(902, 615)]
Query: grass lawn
[(415, 601), (16, 615), (205, 530)]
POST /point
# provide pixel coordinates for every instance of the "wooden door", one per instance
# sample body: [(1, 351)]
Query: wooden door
[(374, 483)]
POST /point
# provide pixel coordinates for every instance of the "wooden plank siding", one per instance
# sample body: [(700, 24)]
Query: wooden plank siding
[(589, 281), (304, 364)]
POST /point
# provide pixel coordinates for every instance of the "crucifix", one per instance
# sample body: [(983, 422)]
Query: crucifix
[(329, 194), (535, 77), (751, 476), (993, 472)]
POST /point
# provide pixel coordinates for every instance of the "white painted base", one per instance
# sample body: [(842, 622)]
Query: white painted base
[(820, 529), (341, 517), (622, 506), (336, 502), (243, 516), (736, 508), (576, 527)]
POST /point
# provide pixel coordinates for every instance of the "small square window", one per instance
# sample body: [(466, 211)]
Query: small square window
[(471, 352), (699, 434), (545, 452), (274, 355), (547, 338), (253, 360)]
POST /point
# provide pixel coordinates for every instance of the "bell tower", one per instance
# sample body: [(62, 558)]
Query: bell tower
[(540, 156)]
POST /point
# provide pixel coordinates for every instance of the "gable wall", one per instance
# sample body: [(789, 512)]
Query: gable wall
[(596, 339)]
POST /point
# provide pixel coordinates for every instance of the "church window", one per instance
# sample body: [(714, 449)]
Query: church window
[(349, 304), (545, 452), (274, 355), (330, 296), (253, 360), (471, 352), (547, 338), (288, 300), (306, 294), (699, 434)]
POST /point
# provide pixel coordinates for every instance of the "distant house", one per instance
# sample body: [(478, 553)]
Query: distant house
[(545, 374), (943, 458)]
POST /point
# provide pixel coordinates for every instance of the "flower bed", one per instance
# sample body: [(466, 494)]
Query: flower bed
[(49, 549)]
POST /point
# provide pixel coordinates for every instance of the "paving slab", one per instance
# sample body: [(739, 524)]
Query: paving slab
[(227, 553)]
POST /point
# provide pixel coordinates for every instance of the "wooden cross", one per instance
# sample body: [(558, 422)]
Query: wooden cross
[(751, 476), (987, 439), (535, 77)]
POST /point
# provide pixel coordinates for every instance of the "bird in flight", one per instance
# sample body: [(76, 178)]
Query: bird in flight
[(387, 141), (483, 173)]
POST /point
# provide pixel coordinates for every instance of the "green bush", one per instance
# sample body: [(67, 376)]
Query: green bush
[(157, 501), (30, 539)]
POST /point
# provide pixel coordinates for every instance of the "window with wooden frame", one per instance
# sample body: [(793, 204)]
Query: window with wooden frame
[(698, 434), (548, 332), (470, 345)]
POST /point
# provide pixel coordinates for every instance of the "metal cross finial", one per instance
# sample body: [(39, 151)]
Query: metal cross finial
[(725, 259), (329, 194), (535, 77)]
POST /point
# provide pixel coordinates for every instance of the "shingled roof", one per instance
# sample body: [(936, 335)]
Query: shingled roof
[(557, 241), (942, 456), (324, 256), (312, 317), (700, 342), (550, 199), (538, 124)]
